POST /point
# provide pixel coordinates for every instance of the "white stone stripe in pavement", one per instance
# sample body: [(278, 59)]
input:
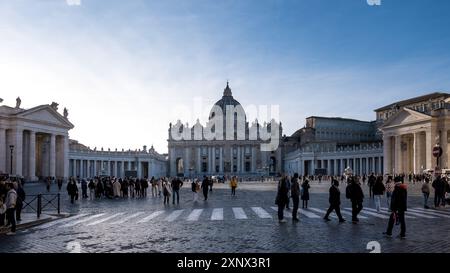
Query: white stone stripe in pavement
[(429, 212), (239, 213), (365, 211), (387, 213), (261, 212), (194, 215), (409, 213), (443, 212), (123, 220), (217, 214), (83, 220), (105, 219), (308, 214), (287, 214), (61, 221), (151, 216), (333, 214), (174, 215)]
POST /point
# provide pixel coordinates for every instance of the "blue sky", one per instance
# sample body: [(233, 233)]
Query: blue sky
[(122, 67)]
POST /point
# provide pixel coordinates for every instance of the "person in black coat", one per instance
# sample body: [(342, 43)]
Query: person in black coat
[(356, 196), (305, 193), (335, 202), (176, 185), (398, 208), (371, 183), (72, 190), (282, 197), (205, 187)]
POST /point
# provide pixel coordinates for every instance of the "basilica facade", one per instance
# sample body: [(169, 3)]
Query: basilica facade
[(238, 149)]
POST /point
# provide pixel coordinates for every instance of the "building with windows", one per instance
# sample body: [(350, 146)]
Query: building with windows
[(34, 143), (411, 129), (195, 155), (327, 145)]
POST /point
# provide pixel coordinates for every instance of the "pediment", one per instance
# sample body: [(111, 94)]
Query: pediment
[(406, 117), (45, 114)]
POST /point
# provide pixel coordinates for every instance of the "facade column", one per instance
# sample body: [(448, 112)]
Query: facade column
[(398, 154), (387, 154), (52, 155), (374, 165), (232, 159), (213, 158), (88, 173), (122, 169), (253, 159), (221, 160), (444, 144), (18, 151), (32, 157), (187, 162), (138, 168), (238, 157), (199, 161), (3, 150)]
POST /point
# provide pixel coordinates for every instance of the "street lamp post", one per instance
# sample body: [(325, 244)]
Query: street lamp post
[(11, 147)]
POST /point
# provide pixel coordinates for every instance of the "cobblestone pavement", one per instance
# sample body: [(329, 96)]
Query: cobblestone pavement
[(244, 223)]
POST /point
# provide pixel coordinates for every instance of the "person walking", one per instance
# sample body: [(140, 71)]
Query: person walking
[(378, 192), (166, 192), (60, 183), (11, 201), (91, 187), (211, 182), (205, 185), (84, 188), (72, 190), (176, 185), (154, 184), (48, 183), (371, 183), (335, 202), (116, 188), (194, 188), (426, 193), (288, 185), (305, 193), (20, 199), (159, 184), (295, 194), (438, 186), (398, 208), (233, 185), (356, 196), (282, 197)]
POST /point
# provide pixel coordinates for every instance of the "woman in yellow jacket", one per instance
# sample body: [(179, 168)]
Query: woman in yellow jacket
[(233, 184)]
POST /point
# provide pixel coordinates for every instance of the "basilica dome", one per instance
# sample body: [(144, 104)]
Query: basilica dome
[(227, 99)]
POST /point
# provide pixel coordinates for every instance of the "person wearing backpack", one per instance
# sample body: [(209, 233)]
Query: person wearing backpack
[(356, 196)]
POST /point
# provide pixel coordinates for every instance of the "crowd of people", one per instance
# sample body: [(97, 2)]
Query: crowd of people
[(12, 197), (394, 187)]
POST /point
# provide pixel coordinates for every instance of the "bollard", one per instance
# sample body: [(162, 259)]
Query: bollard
[(39, 205)]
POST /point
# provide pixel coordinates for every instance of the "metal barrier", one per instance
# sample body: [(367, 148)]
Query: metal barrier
[(41, 202)]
